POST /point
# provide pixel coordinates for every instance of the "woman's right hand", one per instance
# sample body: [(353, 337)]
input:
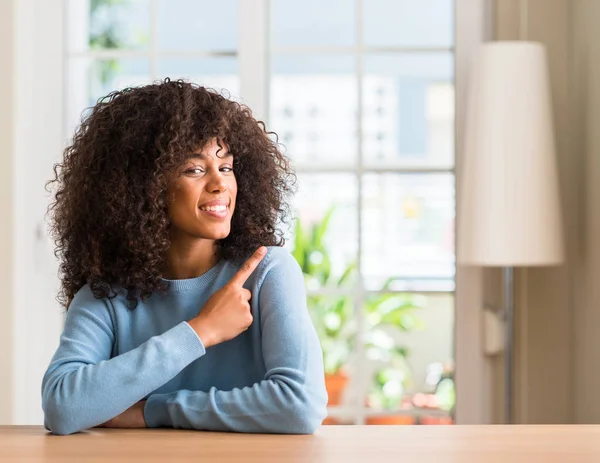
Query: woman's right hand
[(227, 312)]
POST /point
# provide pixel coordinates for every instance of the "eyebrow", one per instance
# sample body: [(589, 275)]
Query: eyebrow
[(205, 156)]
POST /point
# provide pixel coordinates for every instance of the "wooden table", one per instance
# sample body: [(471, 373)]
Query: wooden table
[(373, 444)]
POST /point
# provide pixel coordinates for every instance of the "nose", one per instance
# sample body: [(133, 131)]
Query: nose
[(217, 183)]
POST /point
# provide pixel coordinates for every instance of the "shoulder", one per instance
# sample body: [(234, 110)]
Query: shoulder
[(279, 272), (86, 298), (278, 264), (278, 261), (277, 257), (280, 287), (85, 303)]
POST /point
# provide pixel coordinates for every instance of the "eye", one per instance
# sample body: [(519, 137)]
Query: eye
[(194, 170), (226, 169)]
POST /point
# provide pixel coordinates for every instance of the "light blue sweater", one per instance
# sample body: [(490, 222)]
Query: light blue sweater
[(268, 379)]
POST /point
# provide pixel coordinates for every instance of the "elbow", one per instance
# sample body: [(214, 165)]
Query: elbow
[(306, 419), (309, 424), (59, 429), (58, 420), (306, 416)]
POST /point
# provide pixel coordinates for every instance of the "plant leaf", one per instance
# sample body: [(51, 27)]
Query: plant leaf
[(347, 273), (321, 229), (299, 251)]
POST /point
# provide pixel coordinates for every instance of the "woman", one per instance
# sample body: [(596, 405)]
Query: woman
[(183, 309)]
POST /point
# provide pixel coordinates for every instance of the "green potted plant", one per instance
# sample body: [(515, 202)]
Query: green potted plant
[(387, 314), (333, 316)]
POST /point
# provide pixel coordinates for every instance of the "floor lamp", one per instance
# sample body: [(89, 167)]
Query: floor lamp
[(509, 208)]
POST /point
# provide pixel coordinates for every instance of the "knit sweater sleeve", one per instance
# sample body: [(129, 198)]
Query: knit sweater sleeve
[(84, 387)]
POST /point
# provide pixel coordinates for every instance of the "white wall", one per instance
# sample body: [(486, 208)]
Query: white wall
[(30, 138), (6, 212)]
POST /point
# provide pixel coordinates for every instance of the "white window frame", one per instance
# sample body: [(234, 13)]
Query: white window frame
[(34, 319)]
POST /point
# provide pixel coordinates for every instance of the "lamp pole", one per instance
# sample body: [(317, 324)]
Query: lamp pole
[(509, 304)]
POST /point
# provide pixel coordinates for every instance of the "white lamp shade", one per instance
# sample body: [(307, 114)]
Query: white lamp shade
[(509, 207)]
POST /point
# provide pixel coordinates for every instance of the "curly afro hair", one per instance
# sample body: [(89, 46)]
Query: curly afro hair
[(109, 211)]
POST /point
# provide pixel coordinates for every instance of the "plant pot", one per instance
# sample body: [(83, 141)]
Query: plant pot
[(435, 420), (390, 420), (335, 384)]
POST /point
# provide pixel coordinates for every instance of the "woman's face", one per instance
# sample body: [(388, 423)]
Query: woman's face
[(202, 194)]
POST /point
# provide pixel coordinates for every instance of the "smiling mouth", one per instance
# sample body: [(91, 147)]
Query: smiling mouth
[(218, 208), (220, 211)]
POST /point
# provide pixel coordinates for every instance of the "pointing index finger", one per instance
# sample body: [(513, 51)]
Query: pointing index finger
[(249, 266)]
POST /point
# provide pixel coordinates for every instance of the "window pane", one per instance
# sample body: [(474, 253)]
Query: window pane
[(408, 110), (324, 243), (90, 79), (409, 23), (106, 24), (313, 108), (335, 322), (326, 209), (408, 231), (218, 73), (197, 25), (312, 23), (409, 347)]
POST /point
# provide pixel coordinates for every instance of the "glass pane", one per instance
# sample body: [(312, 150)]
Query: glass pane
[(408, 110), (197, 25), (335, 321), (409, 23), (90, 79), (108, 24), (325, 235), (409, 348), (408, 231), (220, 74), (324, 243), (313, 106), (312, 23)]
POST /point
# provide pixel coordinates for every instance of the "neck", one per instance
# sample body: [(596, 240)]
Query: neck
[(190, 257)]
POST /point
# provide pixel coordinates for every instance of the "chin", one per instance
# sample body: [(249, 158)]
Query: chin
[(214, 234)]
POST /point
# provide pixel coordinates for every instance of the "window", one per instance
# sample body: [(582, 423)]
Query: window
[(112, 44), (361, 94)]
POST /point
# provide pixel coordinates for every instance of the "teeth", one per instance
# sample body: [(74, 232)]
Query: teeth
[(219, 208)]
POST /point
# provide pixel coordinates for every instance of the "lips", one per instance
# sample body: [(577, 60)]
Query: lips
[(217, 208), (215, 205)]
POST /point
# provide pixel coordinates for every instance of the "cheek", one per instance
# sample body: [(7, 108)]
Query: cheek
[(233, 189), (181, 200), (176, 213)]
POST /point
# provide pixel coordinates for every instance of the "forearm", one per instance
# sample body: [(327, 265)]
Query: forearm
[(133, 417), (285, 403), (78, 394)]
